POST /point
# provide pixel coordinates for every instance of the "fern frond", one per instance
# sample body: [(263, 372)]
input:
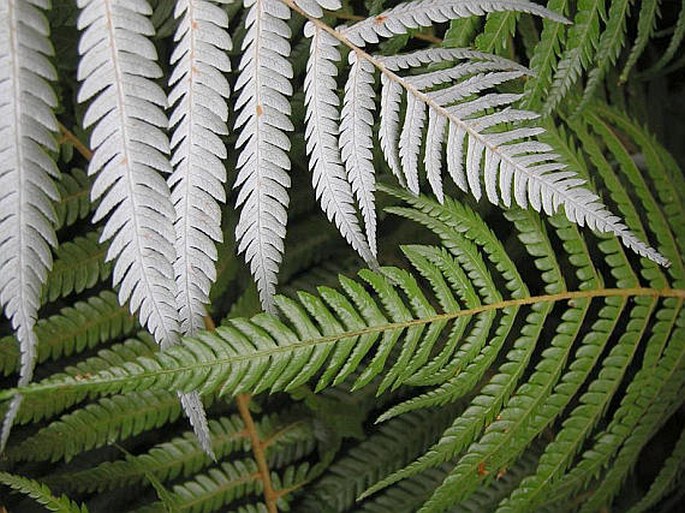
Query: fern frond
[(79, 265), (130, 150), (100, 423), (180, 457), (330, 179), (673, 44), (545, 57), (510, 163), (199, 92), (27, 217), (41, 494), (74, 202), (263, 164), (423, 13), (117, 69), (667, 479), (373, 458), (609, 46), (649, 12), (73, 330), (118, 354), (219, 486), (579, 50)]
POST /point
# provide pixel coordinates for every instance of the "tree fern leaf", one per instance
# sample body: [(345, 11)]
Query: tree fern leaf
[(499, 27), (27, 217), (655, 397), (79, 265), (129, 150), (264, 85), (649, 12), (673, 44), (111, 418), (41, 494), (356, 142), (198, 119), (75, 329), (117, 354), (330, 179), (666, 480), (644, 429), (422, 13), (74, 203), (545, 57), (367, 461), (579, 50), (609, 46), (219, 486)]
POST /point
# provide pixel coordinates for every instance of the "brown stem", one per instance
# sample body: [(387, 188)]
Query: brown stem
[(270, 496), (68, 135), (258, 446)]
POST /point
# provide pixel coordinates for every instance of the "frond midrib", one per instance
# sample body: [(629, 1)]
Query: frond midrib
[(37, 388)]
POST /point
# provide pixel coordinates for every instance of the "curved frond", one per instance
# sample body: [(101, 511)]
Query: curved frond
[(27, 217)]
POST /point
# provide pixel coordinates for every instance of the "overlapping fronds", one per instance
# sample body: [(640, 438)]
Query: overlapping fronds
[(75, 329), (117, 69), (519, 347), (27, 217)]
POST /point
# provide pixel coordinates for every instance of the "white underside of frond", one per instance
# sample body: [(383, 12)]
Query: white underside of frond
[(423, 13), (130, 149), (199, 93), (27, 190), (490, 150), (329, 177), (264, 120), (356, 142)]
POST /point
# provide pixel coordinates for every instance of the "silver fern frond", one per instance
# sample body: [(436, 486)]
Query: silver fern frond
[(264, 120), (27, 218), (199, 92), (117, 69), (487, 147), (329, 177), (130, 149)]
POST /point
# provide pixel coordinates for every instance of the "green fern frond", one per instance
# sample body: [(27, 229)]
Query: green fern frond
[(74, 330), (499, 28), (103, 422), (79, 265), (373, 458), (74, 202), (673, 45), (667, 479), (649, 12), (579, 50), (41, 494), (545, 57), (208, 492), (608, 48), (183, 456)]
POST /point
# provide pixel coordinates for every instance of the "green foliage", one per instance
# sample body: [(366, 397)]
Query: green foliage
[(497, 360)]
